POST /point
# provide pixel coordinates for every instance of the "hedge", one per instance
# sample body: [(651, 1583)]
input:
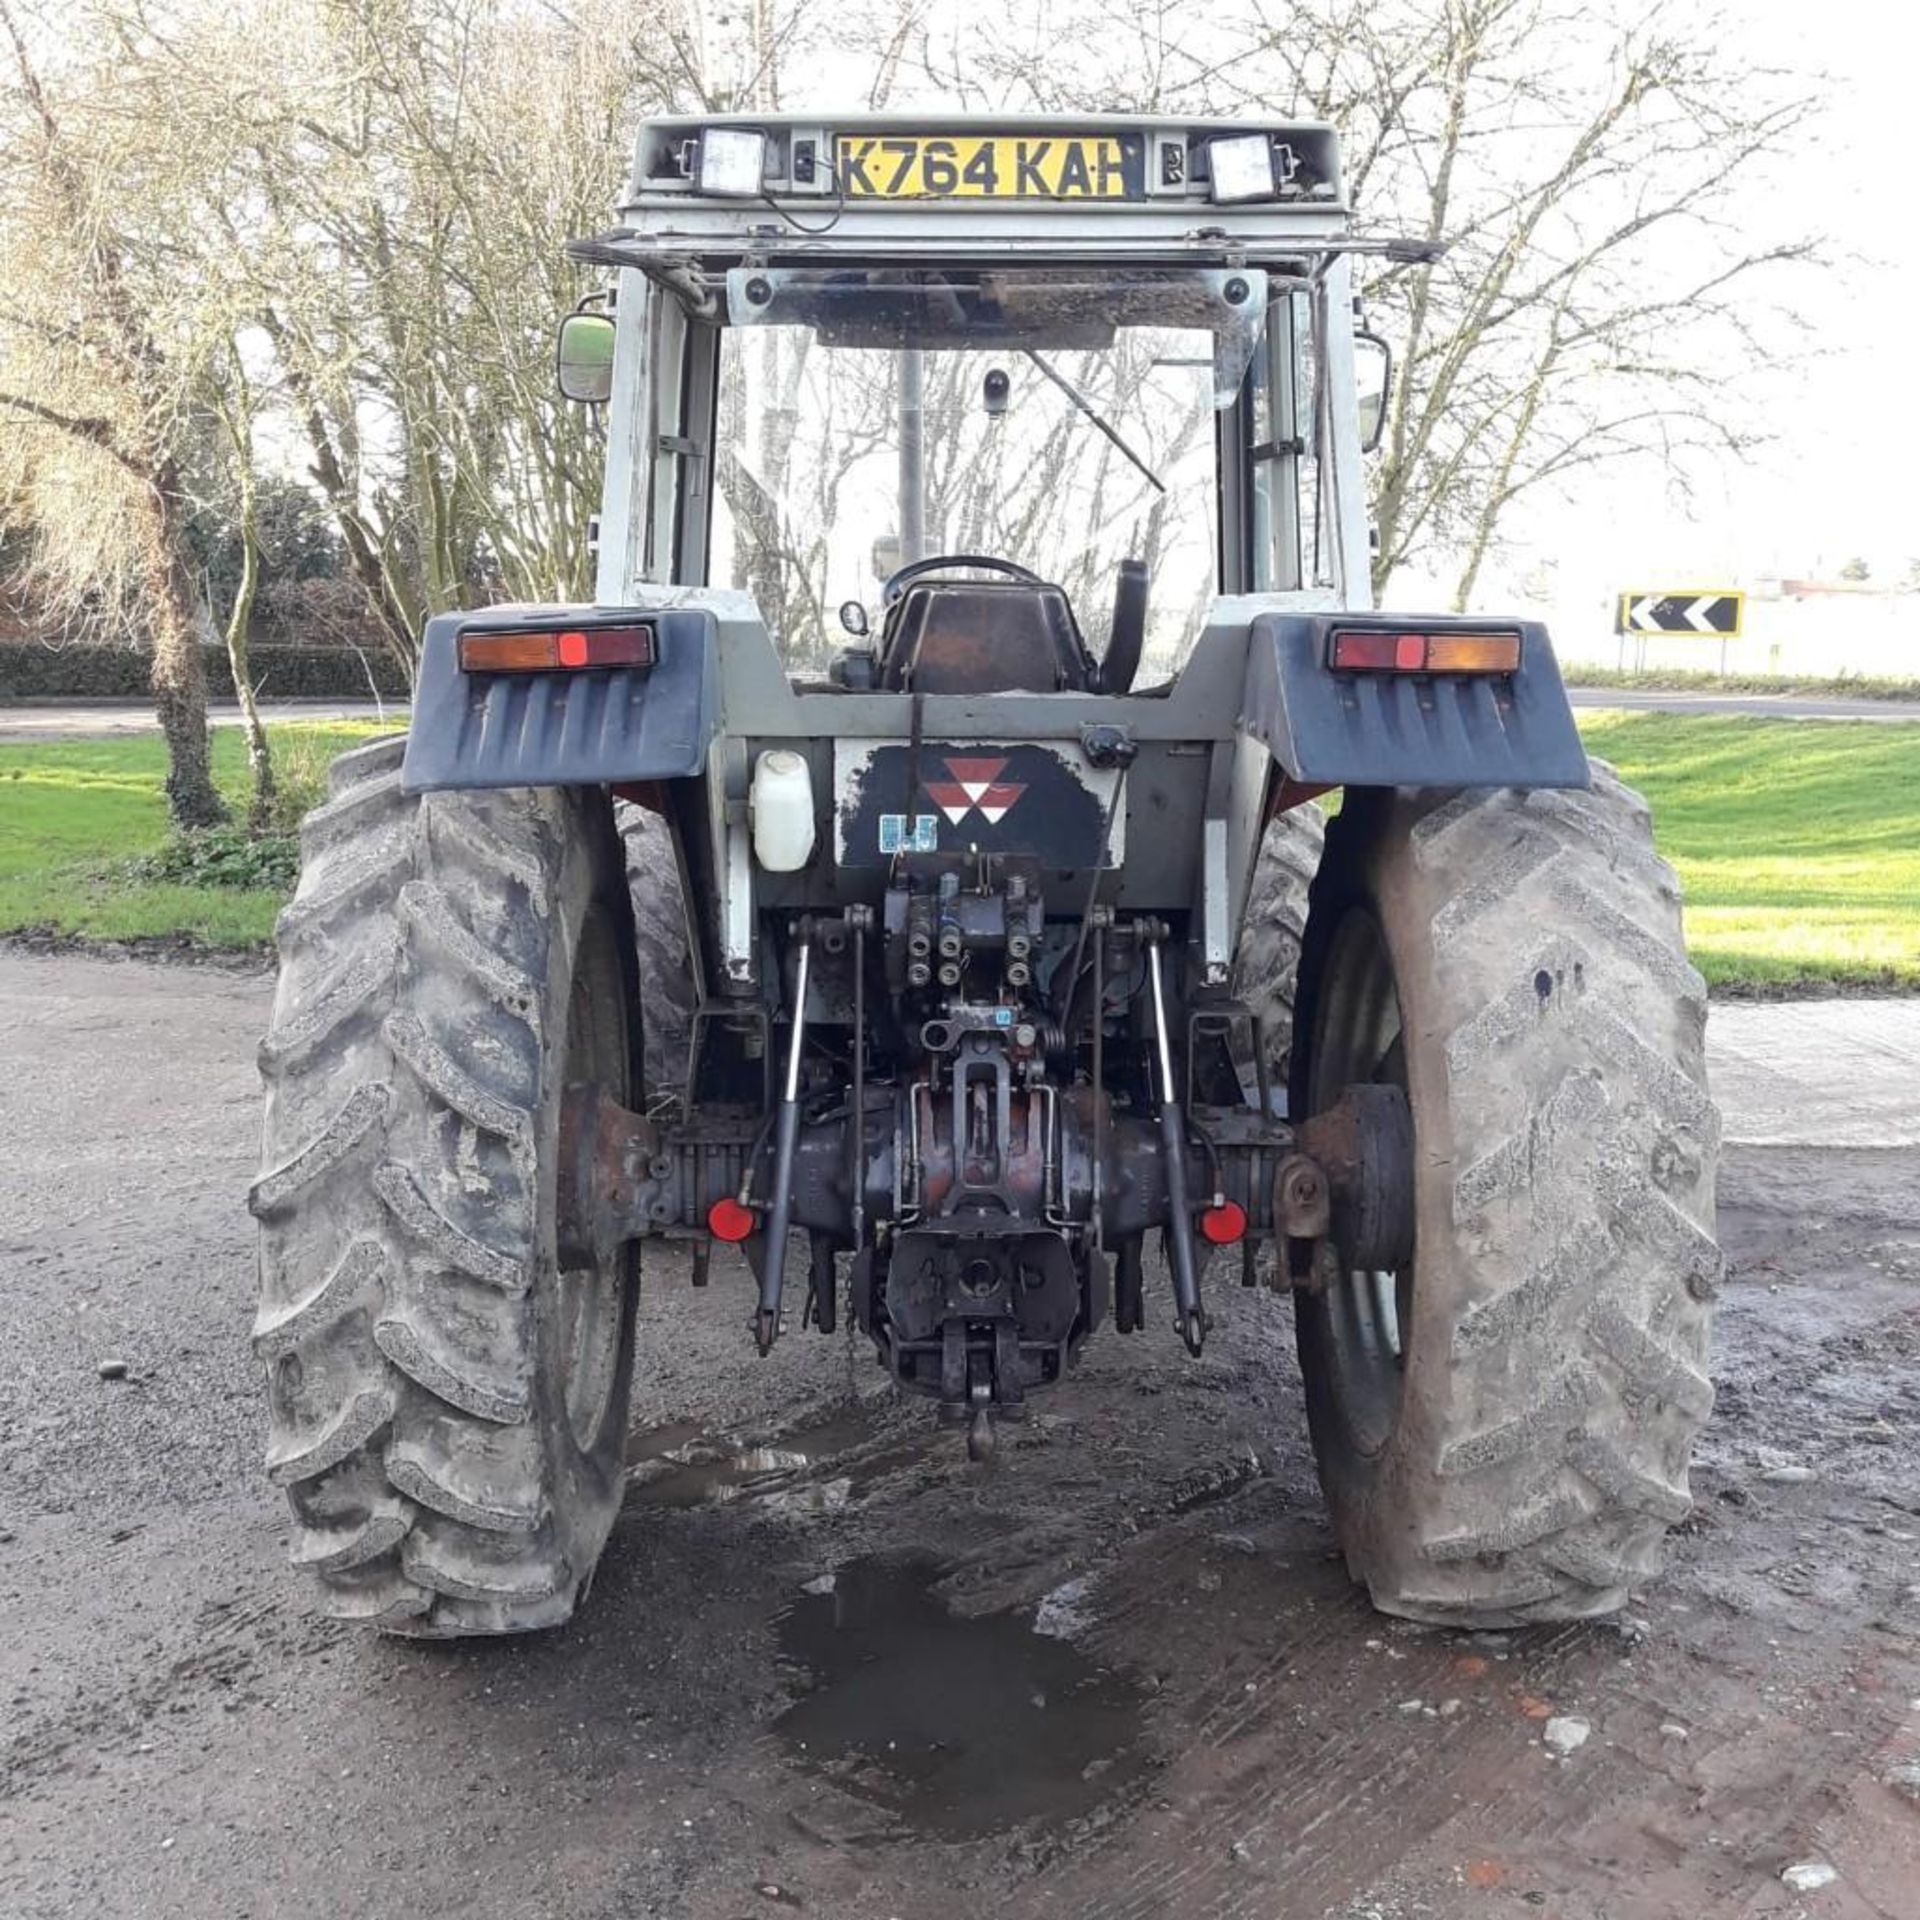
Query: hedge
[(279, 673)]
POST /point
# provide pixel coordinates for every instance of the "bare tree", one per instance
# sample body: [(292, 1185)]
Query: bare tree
[(1595, 170), (235, 405), (99, 381), (420, 166), (1596, 303)]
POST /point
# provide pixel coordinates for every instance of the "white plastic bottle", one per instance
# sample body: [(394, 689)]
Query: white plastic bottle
[(780, 801)]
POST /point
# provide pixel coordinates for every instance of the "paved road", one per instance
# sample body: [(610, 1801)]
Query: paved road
[(1769, 706), (111, 720), (1819, 1073), (1118, 1674)]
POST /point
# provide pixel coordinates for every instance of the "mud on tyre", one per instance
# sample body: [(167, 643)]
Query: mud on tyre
[(1503, 1429), (447, 1404)]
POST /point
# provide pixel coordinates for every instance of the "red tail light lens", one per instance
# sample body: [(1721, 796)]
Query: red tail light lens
[(1224, 1223), (523, 650), (1372, 650), (728, 1220), (1376, 652)]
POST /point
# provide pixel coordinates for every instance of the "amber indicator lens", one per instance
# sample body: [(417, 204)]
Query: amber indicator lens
[(562, 648), (1369, 650), (1473, 653)]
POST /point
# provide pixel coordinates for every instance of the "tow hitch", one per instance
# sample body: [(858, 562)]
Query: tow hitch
[(972, 1304)]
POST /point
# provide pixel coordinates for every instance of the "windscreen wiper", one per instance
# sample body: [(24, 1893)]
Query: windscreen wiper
[(1087, 407)]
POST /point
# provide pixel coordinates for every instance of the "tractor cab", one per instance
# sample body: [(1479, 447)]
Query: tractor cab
[(1100, 373)]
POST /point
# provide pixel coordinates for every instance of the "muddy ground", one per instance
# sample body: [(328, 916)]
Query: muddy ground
[(830, 1669)]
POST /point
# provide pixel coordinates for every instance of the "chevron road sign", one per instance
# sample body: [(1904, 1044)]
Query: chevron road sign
[(1711, 612)]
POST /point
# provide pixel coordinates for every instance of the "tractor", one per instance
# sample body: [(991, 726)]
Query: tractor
[(1113, 909)]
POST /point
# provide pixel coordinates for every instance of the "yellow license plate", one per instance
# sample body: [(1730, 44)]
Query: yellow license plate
[(924, 166)]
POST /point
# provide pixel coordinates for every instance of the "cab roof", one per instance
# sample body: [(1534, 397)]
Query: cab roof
[(714, 191)]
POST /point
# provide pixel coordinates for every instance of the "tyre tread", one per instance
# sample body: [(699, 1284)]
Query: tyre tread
[(1266, 961), (396, 1204), (1569, 1038)]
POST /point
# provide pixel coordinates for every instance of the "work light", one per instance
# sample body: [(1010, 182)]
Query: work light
[(732, 162), (1243, 167)]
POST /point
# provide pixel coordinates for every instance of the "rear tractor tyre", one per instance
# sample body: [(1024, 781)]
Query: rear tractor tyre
[(1266, 962), (1503, 1427), (448, 1404), (663, 961)]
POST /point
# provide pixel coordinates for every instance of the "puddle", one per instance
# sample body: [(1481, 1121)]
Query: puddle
[(959, 1727), (683, 1465), (655, 1443)]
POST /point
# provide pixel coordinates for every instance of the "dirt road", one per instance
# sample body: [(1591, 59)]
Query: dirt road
[(829, 1669)]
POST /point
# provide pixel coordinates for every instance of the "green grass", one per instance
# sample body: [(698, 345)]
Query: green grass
[(1798, 842), (74, 813)]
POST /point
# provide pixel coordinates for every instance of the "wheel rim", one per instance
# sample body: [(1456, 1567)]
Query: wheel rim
[(1366, 1314), (591, 1297)]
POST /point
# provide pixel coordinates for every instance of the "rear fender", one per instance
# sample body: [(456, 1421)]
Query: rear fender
[(1331, 729), (564, 728)]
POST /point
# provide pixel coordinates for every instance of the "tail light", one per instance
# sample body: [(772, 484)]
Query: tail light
[(555, 649), (1379, 650), (1224, 1224), (728, 1220)]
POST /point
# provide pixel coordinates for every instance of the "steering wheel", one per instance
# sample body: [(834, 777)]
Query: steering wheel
[(902, 577)]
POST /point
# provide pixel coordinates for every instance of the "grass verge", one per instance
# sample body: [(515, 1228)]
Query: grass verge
[(1798, 842), (83, 826)]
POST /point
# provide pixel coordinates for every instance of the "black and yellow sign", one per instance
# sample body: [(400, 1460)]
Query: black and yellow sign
[(1713, 611), (922, 166)]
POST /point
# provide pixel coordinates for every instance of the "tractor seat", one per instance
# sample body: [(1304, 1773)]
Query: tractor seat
[(983, 636)]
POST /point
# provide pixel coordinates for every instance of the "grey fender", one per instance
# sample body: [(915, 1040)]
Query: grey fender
[(1408, 730), (564, 729)]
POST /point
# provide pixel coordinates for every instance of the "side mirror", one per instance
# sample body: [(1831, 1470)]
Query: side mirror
[(995, 391), (1373, 382), (853, 618), (584, 363)]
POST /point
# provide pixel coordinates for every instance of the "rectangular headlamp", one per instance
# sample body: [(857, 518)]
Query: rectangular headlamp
[(1372, 650), (731, 163), (554, 649)]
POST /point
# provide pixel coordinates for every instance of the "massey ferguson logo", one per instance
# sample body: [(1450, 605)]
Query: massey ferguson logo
[(1034, 800), (975, 783)]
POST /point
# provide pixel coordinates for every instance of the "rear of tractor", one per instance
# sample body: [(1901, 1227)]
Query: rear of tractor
[(1018, 991)]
